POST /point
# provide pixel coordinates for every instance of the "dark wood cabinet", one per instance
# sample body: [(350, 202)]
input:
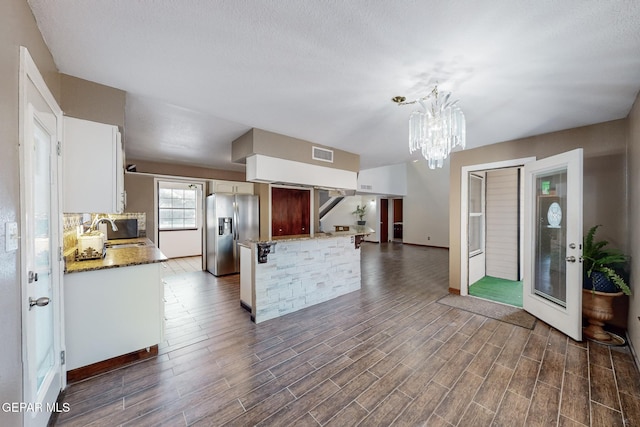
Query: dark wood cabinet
[(397, 210), (290, 211)]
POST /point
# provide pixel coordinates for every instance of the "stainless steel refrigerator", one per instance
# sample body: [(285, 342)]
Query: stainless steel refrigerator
[(230, 219)]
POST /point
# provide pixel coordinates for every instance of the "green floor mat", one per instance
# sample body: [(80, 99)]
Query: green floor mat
[(499, 290)]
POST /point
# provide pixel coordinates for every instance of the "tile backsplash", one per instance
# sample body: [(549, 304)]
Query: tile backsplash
[(71, 222)]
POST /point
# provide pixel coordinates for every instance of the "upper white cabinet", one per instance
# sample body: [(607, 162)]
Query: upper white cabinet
[(93, 167), (236, 187)]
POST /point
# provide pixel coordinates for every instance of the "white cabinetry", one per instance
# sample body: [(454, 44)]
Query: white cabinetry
[(235, 187), (112, 312), (93, 167)]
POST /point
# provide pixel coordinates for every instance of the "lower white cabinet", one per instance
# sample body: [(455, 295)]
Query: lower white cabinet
[(112, 312)]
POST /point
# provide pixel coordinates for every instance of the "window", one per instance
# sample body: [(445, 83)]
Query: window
[(177, 208), (476, 215)]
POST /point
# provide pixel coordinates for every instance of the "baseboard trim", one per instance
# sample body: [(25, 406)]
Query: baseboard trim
[(633, 351), (98, 368), (454, 291), (425, 246)]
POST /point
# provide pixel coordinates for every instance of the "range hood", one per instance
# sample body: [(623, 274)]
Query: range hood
[(265, 169), (275, 158)]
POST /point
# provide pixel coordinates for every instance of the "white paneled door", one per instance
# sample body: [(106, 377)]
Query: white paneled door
[(553, 241)]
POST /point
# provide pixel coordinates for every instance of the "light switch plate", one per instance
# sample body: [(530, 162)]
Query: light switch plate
[(11, 236)]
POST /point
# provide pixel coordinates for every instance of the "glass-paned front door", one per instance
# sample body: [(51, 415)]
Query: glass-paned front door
[(553, 241), (550, 234), (41, 278)]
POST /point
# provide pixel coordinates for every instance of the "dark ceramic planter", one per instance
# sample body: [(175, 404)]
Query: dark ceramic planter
[(599, 282)]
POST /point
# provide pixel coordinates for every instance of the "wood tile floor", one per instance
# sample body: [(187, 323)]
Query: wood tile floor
[(175, 266), (388, 354)]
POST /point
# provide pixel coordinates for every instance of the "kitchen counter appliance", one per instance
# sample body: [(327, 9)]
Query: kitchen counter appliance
[(230, 219), (127, 229)]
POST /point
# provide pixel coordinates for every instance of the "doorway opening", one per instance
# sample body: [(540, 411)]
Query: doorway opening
[(391, 220), (179, 217), (397, 220), (491, 229)]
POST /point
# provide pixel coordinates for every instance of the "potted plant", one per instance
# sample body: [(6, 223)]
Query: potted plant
[(360, 212), (602, 282)]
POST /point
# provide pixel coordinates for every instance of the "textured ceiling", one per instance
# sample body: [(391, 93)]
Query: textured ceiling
[(200, 73)]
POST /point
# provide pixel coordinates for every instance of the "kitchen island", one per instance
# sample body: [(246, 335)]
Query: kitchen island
[(294, 272), (114, 308)]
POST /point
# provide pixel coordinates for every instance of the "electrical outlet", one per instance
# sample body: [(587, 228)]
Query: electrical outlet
[(428, 237), (11, 236)]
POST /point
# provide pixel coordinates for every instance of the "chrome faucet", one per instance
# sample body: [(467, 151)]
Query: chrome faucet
[(94, 224)]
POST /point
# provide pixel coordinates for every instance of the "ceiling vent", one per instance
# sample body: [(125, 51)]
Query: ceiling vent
[(322, 154)]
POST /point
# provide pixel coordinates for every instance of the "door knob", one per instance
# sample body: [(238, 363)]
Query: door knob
[(40, 302), (570, 259)]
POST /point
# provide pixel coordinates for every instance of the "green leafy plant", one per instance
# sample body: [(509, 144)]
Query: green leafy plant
[(607, 261), (360, 211)]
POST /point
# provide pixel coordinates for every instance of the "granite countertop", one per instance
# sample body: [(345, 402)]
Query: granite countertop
[(353, 231), (119, 257)]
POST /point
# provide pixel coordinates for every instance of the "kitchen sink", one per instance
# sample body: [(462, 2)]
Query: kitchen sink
[(125, 245)]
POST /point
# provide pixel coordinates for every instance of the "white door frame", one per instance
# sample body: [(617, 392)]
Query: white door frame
[(200, 207), (203, 197), (29, 74), (464, 211)]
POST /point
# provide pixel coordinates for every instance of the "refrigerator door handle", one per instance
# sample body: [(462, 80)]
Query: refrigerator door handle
[(235, 220)]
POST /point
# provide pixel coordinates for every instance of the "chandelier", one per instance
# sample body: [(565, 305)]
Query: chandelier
[(437, 129)]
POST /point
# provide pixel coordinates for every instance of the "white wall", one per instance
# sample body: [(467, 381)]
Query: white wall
[(390, 180), (426, 206), (177, 244)]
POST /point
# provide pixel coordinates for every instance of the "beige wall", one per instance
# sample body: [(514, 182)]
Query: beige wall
[(92, 101), (143, 166), (263, 190), (17, 28), (258, 141), (604, 178), (634, 227), (140, 198)]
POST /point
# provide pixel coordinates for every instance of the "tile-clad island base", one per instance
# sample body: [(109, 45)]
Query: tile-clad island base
[(299, 273)]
